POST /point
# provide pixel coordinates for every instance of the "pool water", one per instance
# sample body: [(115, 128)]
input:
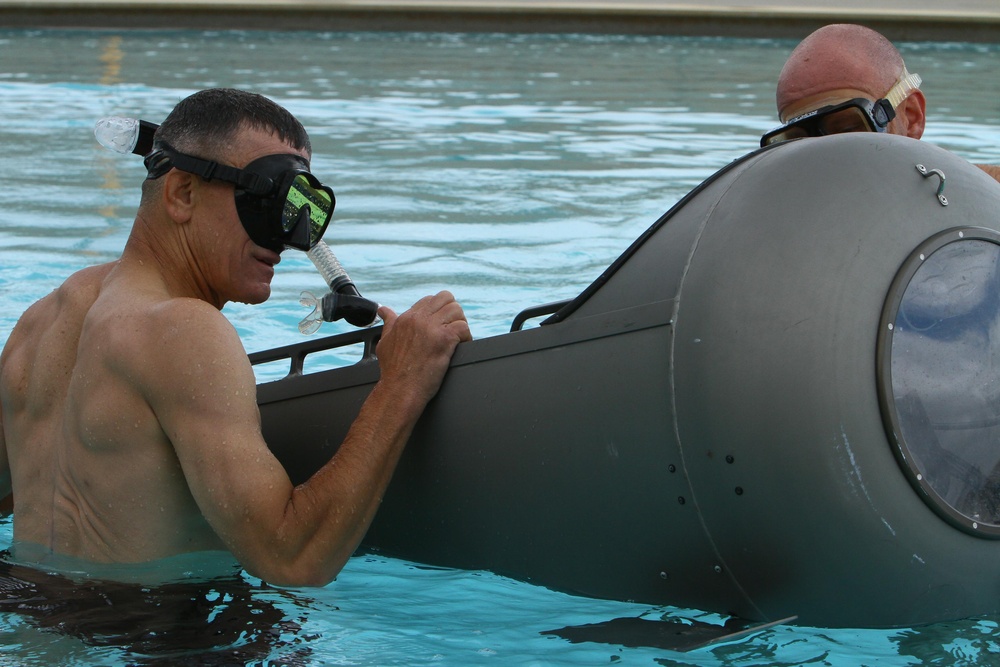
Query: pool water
[(510, 169)]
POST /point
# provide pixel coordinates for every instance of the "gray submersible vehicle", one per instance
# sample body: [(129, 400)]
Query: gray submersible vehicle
[(782, 399)]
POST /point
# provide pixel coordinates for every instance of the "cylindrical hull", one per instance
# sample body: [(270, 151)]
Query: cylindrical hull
[(702, 427)]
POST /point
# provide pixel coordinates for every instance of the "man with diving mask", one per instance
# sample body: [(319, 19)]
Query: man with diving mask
[(130, 426)]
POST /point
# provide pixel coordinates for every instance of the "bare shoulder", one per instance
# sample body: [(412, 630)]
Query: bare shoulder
[(86, 283), (71, 299), (74, 298), (190, 319), (46, 334), (183, 341), (180, 361)]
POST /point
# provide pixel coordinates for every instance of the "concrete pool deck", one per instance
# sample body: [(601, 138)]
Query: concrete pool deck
[(939, 20)]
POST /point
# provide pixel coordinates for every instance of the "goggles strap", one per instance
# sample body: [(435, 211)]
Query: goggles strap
[(162, 159), (905, 84)]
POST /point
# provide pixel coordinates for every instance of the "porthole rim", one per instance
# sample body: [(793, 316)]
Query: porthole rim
[(883, 370)]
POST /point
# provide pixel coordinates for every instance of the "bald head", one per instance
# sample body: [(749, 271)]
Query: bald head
[(836, 63)]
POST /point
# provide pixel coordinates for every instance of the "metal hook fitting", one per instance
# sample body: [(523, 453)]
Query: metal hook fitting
[(940, 174)]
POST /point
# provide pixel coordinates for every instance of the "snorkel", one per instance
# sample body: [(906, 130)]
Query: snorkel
[(343, 301)]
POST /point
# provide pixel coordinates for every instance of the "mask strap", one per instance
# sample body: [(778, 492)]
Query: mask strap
[(162, 159), (905, 84)]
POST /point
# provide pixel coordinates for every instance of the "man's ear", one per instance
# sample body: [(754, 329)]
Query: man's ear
[(913, 112), (179, 195)]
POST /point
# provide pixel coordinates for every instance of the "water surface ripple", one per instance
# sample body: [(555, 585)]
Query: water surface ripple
[(510, 169)]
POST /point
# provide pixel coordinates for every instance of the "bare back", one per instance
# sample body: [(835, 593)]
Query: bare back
[(92, 472)]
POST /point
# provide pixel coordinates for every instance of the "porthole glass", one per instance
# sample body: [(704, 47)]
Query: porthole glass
[(939, 378)]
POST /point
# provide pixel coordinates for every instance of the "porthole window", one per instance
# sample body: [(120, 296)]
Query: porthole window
[(939, 375)]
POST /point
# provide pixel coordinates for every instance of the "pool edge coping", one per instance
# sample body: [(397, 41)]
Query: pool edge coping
[(499, 16)]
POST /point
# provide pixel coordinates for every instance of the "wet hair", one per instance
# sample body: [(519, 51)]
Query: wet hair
[(207, 123)]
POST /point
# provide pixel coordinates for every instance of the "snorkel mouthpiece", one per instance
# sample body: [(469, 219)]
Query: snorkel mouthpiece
[(343, 301)]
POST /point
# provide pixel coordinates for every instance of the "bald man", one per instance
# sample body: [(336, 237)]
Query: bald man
[(849, 78)]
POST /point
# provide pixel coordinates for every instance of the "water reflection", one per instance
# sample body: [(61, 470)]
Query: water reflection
[(511, 169), (946, 375)]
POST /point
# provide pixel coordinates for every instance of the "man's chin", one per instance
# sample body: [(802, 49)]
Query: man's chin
[(260, 295)]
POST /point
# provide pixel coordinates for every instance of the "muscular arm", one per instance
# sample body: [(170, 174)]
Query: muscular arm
[(6, 497), (296, 535)]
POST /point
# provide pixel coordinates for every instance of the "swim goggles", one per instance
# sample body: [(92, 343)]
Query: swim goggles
[(855, 115), (279, 202)]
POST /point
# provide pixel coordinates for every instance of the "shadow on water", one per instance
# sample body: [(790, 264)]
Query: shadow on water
[(666, 633), (211, 622)]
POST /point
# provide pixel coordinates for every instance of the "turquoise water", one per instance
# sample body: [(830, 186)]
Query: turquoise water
[(509, 169)]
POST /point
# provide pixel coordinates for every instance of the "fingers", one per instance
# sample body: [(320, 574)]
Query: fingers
[(442, 308), (416, 347), (435, 303), (459, 326), (388, 316), (462, 330)]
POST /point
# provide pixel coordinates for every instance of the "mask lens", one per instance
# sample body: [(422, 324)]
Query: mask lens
[(319, 200), (785, 134), (851, 116), (850, 119)]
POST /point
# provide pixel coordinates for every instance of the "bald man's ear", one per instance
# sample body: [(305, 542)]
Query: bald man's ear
[(912, 114), (178, 195)]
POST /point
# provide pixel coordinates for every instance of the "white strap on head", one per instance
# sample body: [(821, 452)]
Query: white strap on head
[(905, 84)]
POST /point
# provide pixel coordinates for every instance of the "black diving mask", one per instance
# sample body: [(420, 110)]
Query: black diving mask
[(857, 115), (279, 202)]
